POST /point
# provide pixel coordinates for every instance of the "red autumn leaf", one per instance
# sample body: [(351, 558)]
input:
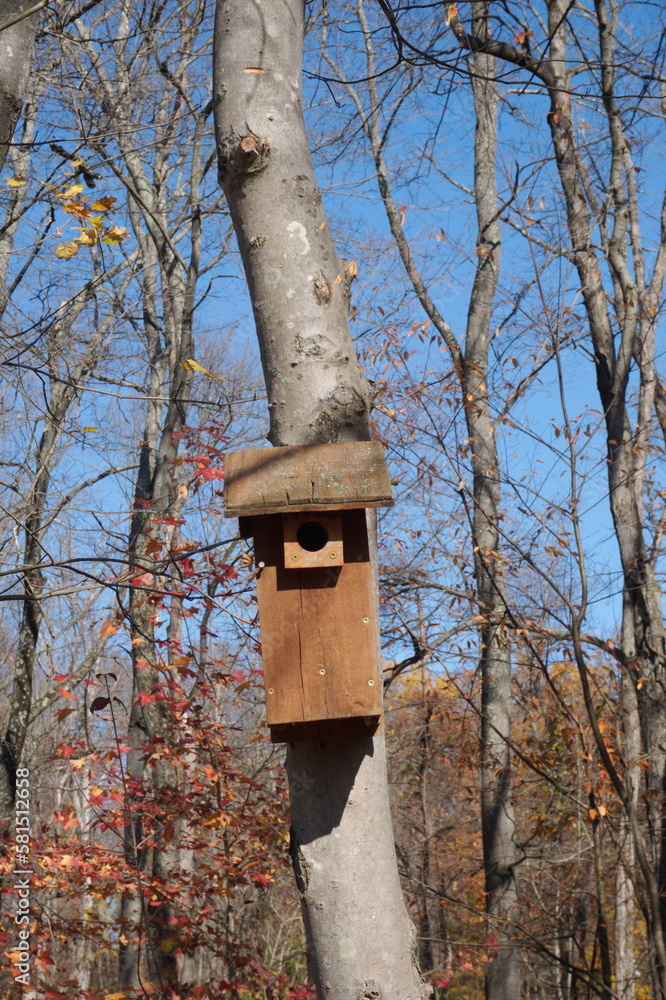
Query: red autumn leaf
[(144, 697), (208, 474)]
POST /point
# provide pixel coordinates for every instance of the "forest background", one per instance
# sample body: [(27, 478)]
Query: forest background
[(491, 174)]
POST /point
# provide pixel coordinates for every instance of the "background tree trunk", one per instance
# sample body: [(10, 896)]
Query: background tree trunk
[(15, 57), (497, 818)]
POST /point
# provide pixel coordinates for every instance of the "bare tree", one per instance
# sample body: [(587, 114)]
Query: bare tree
[(621, 300)]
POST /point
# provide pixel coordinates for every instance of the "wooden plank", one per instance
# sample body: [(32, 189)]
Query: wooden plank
[(347, 475), (318, 630)]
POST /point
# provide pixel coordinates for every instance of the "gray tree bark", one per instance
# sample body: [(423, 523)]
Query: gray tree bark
[(360, 939), (497, 816), (16, 44)]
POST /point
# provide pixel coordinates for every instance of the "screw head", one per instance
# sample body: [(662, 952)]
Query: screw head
[(332, 555), (271, 690), (365, 621), (371, 684), (322, 671), (295, 556)]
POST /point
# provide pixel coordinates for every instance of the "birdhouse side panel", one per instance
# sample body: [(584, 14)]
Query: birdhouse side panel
[(318, 630)]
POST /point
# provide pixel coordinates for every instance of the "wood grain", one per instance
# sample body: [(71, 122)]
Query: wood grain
[(318, 630), (347, 475)]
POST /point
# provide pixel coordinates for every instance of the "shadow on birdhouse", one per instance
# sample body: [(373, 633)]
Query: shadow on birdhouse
[(305, 508)]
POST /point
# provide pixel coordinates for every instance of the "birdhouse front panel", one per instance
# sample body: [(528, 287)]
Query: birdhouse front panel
[(318, 628)]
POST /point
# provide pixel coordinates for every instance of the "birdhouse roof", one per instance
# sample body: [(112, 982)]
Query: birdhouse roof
[(306, 477)]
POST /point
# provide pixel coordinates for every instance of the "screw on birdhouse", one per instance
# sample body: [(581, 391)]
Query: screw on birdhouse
[(322, 671), (295, 556), (332, 555), (365, 621), (371, 684), (271, 690), (359, 556)]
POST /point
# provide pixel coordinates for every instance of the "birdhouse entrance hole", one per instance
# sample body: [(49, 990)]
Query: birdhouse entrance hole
[(312, 536)]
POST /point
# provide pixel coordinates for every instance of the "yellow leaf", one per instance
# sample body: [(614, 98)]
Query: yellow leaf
[(103, 204), (86, 430), (71, 192), (67, 250), (192, 366), (116, 234), (75, 208), (116, 996), (14, 182), (88, 238)]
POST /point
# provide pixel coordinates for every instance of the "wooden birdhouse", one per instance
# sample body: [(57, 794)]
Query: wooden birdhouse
[(305, 508)]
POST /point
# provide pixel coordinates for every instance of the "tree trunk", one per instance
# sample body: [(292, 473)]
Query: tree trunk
[(360, 939), (62, 395), (16, 54), (497, 819)]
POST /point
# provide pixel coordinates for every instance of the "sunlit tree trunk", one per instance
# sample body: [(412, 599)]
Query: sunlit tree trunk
[(360, 940), (16, 44), (497, 818)]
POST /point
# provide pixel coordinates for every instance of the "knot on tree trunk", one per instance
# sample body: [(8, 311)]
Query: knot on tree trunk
[(242, 155), (344, 407), (371, 990)]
